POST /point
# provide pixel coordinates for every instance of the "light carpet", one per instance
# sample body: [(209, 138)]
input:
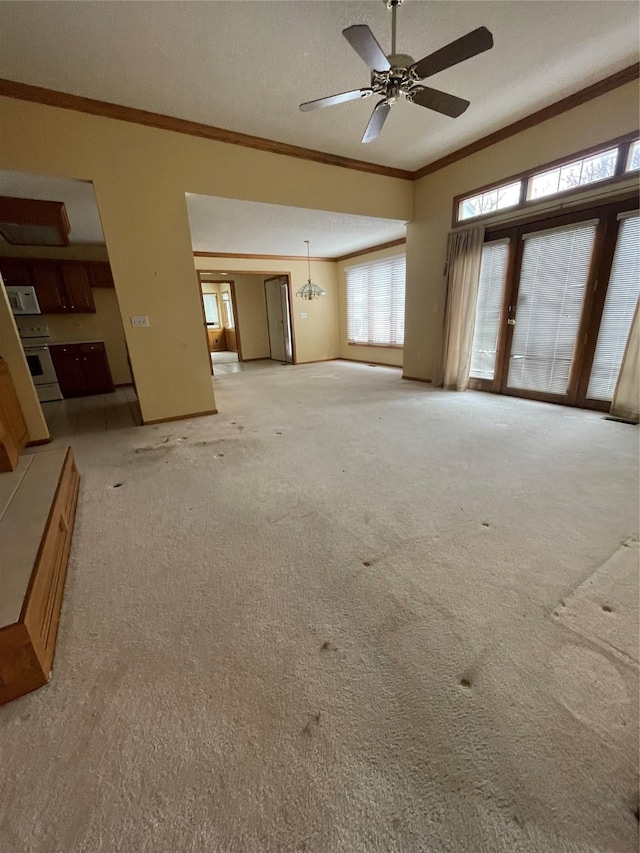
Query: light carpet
[(330, 619)]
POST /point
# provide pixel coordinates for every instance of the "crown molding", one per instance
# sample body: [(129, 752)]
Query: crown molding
[(627, 75), (257, 257), (233, 255), (63, 100), (400, 242)]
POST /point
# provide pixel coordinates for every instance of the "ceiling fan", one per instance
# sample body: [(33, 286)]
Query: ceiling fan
[(397, 74)]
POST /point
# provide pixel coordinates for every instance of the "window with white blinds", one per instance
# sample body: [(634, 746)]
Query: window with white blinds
[(553, 278), (375, 302), (619, 307), (493, 271)]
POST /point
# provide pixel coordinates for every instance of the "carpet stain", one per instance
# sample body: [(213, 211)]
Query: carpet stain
[(328, 647), (312, 723)]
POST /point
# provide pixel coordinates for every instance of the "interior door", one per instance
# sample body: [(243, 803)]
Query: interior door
[(544, 322), (278, 318)]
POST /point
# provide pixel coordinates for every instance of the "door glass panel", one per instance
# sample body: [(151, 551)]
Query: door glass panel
[(493, 271), (553, 278), (619, 308)]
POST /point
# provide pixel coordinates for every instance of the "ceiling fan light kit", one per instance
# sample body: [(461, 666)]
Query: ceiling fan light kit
[(397, 75), (310, 290)]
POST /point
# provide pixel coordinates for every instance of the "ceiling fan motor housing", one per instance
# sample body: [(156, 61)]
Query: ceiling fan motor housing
[(398, 80)]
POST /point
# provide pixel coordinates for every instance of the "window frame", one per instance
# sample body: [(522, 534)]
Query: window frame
[(399, 255), (621, 173), (606, 211)]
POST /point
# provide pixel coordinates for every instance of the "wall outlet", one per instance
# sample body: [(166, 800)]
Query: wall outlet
[(138, 320), (303, 316)]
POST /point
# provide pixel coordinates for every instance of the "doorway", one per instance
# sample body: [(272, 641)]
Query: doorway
[(220, 321), (279, 318), (556, 301)]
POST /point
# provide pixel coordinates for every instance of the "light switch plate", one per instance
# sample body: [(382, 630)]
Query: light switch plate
[(138, 320), (303, 316)]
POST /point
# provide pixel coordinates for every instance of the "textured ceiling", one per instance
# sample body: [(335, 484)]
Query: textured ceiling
[(243, 227), (78, 198), (246, 65)]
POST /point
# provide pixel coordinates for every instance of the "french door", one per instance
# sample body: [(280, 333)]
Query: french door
[(555, 304)]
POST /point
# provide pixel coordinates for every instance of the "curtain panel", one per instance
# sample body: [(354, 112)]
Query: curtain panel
[(626, 397), (464, 256)]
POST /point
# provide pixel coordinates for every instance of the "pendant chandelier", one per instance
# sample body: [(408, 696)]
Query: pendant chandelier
[(310, 290)]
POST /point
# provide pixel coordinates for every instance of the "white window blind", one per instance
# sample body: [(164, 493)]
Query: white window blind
[(619, 307), (211, 309), (553, 278), (493, 271), (375, 302)]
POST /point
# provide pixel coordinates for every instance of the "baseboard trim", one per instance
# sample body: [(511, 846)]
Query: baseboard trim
[(417, 379), (38, 442), (180, 417), (370, 361)]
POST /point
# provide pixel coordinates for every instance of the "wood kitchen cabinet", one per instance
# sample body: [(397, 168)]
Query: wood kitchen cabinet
[(100, 274), (82, 369), (15, 272), (62, 288)]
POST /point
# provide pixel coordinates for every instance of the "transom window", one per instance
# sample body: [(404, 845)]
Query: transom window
[(375, 302), (607, 163)]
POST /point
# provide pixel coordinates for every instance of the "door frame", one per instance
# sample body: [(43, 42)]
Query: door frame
[(289, 304), (594, 298), (232, 288)]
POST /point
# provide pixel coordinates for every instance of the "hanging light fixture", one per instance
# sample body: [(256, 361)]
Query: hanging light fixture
[(310, 290)]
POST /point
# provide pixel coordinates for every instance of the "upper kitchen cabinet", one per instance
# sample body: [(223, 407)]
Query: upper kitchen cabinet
[(78, 288), (62, 288), (100, 274), (15, 272)]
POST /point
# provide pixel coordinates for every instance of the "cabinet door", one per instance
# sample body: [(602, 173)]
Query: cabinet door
[(49, 287), (96, 368), (100, 274), (76, 284), (15, 272), (68, 363)]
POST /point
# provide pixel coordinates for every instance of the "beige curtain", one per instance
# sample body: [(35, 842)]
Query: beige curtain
[(464, 254), (626, 398)]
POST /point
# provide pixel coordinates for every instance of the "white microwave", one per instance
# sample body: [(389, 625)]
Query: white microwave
[(23, 300)]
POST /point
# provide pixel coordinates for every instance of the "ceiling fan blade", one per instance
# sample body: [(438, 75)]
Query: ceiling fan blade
[(441, 102), (377, 120), (475, 42), (363, 41), (336, 99)]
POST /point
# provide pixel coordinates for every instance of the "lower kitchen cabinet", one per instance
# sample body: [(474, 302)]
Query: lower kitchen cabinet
[(82, 369)]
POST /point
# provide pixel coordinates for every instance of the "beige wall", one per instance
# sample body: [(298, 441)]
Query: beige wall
[(140, 176), (604, 118), (12, 352), (251, 319), (376, 355), (316, 335)]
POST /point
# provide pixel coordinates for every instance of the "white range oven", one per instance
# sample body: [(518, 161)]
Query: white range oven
[(34, 334)]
